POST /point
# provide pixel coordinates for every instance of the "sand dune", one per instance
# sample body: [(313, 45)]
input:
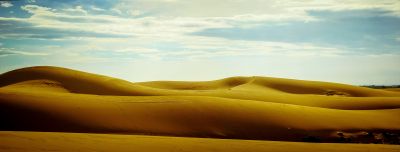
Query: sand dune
[(309, 93), (392, 89), (64, 100), (67, 142)]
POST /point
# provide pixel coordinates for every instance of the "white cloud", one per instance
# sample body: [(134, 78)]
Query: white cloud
[(397, 38), (35, 9), (134, 13), (230, 8), (6, 4), (96, 8), (117, 11), (77, 9), (153, 41), (198, 48), (147, 32), (11, 51), (30, 53), (49, 18)]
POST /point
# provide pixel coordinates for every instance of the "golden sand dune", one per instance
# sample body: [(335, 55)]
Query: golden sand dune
[(69, 142), (58, 99), (393, 89), (308, 93)]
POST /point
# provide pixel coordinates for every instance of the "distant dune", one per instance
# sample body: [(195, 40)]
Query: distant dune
[(52, 99), (393, 89)]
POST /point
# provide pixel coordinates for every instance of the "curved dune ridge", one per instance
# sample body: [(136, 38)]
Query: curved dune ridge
[(65, 100)]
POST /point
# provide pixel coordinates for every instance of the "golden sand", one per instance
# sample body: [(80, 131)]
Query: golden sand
[(52, 99)]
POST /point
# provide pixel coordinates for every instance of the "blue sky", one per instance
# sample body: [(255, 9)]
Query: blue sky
[(356, 42)]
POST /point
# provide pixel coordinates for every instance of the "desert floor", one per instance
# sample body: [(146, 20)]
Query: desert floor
[(19, 141)]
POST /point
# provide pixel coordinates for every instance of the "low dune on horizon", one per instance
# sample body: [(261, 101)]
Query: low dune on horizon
[(53, 99)]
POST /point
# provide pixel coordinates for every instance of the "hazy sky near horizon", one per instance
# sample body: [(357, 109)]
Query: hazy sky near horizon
[(347, 41)]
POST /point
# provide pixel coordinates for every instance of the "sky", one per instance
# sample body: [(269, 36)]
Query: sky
[(346, 41)]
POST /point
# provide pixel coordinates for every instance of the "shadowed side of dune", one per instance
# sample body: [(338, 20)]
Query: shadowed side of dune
[(21, 118)]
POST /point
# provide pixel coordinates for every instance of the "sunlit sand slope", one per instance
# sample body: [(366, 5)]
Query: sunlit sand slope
[(67, 142), (308, 93), (58, 99), (393, 89)]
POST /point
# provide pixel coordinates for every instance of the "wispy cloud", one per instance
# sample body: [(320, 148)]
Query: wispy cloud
[(229, 8), (120, 33), (77, 9), (6, 4), (397, 38), (7, 52)]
